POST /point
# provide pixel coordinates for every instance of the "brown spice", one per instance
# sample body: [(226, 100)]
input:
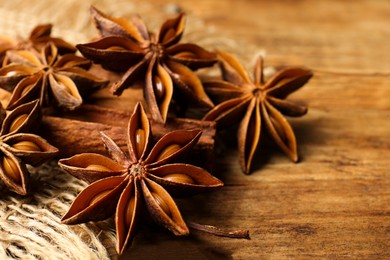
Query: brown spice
[(137, 179), (156, 60), (48, 76), (259, 105), (19, 148), (66, 130), (38, 38)]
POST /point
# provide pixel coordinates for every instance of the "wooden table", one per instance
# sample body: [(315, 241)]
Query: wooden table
[(334, 203)]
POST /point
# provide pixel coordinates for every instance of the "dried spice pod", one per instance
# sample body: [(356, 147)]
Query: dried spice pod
[(38, 38), (6, 43), (164, 65), (125, 183), (18, 148), (48, 76), (259, 105)]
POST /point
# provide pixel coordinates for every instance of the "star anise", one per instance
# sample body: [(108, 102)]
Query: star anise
[(125, 183), (259, 105), (18, 148), (37, 40), (48, 76), (163, 65)]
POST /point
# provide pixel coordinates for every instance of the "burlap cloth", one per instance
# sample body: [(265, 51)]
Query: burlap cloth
[(30, 226)]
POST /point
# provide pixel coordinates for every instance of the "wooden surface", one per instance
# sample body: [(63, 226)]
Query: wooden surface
[(335, 203)]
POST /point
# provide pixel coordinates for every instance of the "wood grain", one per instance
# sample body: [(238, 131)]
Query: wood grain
[(334, 203)]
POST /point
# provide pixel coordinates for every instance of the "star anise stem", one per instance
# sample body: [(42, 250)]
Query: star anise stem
[(216, 231)]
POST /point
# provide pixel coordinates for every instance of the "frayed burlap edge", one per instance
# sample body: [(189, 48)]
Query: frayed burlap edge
[(30, 226)]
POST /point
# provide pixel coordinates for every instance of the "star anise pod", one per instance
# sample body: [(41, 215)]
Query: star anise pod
[(163, 65), (37, 40), (125, 183), (6, 43), (259, 105), (19, 148), (48, 76)]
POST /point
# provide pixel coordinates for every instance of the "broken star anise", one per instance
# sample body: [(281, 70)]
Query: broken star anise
[(258, 105), (18, 148), (38, 38), (48, 76), (126, 183), (164, 66)]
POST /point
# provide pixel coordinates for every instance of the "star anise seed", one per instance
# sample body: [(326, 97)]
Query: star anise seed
[(48, 76), (125, 183), (18, 148), (258, 105), (163, 65)]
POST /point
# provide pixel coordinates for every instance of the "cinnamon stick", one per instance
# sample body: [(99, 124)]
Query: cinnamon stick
[(75, 133)]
